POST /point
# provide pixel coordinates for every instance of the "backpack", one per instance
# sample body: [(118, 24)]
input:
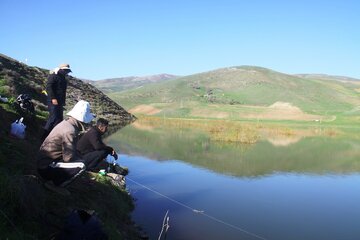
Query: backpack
[(25, 103)]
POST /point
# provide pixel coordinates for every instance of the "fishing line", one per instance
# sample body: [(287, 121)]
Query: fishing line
[(197, 211)]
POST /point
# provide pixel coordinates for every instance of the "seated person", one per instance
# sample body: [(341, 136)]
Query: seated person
[(58, 160), (91, 147)]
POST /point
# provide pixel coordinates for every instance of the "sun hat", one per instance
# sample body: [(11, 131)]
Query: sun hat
[(65, 66), (81, 112)]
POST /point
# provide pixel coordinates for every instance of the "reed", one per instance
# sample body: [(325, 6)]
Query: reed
[(238, 131), (218, 130), (241, 134)]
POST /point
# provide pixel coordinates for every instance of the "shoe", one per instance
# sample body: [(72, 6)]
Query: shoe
[(60, 190)]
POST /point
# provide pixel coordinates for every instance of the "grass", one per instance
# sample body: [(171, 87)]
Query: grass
[(4, 88), (247, 132), (235, 133), (285, 146), (242, 90), (29, 211)]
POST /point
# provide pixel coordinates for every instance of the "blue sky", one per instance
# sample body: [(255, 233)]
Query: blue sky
[(116, 38)]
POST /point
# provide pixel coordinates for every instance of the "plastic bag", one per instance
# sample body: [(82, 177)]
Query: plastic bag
[(18, 129), (4, 99), (110, 159)]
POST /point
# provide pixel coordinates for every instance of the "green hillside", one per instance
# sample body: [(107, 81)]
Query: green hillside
[(246, 92)]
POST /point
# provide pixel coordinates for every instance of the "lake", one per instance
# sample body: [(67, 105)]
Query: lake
[(281, 187)]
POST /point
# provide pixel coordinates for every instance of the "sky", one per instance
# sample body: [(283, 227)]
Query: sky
[(117, 38)]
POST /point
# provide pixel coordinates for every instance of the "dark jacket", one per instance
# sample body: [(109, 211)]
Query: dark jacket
[(56, 88), (91, 141), (60, 145)]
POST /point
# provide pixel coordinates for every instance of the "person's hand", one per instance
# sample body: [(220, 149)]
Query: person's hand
[(54, 101), (114, 155)]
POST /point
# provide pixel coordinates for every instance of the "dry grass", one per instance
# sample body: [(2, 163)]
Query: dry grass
[(235, 131), (243, 134), (218, 130)]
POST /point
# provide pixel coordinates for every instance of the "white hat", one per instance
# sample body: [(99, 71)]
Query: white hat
[(81, 112), (65, 66)]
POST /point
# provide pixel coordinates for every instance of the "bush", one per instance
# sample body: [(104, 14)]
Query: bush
[(4, 88)]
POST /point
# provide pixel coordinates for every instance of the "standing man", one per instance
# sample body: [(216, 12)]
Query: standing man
[(56, 94)]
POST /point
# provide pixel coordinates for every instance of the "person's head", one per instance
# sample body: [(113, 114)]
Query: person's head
[(81, 112), (102, 124), (64, 69)]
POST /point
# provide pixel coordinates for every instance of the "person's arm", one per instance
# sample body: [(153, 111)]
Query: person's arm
[(114, 154), (97, 143)]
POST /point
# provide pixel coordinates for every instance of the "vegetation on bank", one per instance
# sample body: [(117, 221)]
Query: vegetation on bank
[(27, 209), (30, 211), (287, 148), (246, 132)]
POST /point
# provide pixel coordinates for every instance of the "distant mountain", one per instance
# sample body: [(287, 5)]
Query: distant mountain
[(17, 78), (246, 92), (327, 77), (125, 83)]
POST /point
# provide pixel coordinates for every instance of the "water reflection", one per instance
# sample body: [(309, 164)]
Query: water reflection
[(282, 187), (306, 153)]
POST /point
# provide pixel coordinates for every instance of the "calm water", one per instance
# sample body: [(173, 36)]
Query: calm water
[(303, 189)]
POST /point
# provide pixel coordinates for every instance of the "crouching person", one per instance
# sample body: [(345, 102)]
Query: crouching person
[(58, 161), (92, 149)]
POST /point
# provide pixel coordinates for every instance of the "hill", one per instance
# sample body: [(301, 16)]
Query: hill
[(328, 77), (125, 83), (246, 92), (17, 78), (27, 209)]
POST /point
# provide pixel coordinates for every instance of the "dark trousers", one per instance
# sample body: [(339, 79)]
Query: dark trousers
[(61, 174), (95, 160), (55, 116)]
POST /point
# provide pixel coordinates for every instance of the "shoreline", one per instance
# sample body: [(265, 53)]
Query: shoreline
[(29, 210)]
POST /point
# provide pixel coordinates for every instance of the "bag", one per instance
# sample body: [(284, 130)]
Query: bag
[(18, 129), (25, 103), (4, 99), (110, 159)]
